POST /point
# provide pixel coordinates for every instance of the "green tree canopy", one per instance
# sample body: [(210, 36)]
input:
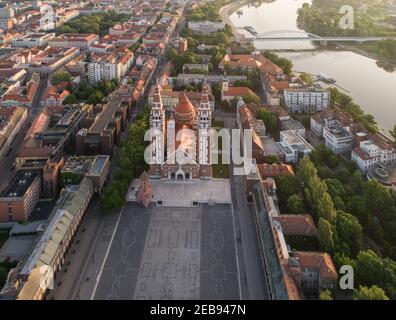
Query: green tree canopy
[(349, 234), (325, 235), (295, 204), (372, 293)]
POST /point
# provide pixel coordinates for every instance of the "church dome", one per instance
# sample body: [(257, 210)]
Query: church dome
[(184, 111)]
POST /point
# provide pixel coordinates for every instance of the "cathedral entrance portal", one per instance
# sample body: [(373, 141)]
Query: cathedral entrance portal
[(180, 175)]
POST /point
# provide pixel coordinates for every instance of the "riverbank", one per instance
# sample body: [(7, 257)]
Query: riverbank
[(226, 11)]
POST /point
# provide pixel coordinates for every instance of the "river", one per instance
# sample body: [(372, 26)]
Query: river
[(373, 88)]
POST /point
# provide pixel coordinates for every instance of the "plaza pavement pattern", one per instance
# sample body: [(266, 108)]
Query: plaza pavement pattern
[(171, 254)]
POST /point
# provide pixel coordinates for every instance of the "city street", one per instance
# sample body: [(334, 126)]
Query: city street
[(254, 284)]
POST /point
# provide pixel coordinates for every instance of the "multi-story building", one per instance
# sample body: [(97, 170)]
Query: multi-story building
[(110, 66), (205, 26), (338, 138), (106, 125), (32, 40), (306, 100), (368, 154), (11, 122), (74, 40), (293, 146), (322, 119), (49, 252), (293, 125), (51, 173), (20, 197), (7, 17), (94, 167)]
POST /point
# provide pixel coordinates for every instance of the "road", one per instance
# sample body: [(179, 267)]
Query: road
[(7, 164), (253, 279)]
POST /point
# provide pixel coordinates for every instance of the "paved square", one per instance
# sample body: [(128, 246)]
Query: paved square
[(171, 254)]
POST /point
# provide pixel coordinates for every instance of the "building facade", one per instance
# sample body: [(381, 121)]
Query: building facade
[(306, 101), (18, 200), (181, 142)]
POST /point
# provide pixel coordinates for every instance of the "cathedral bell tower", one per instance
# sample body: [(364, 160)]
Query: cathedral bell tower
[(204, 121), (157, 126)]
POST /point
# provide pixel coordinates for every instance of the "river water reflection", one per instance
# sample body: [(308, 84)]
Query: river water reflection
[(373, 88)]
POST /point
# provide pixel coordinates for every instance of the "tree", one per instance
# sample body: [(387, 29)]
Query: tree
[(70, 99), (273, 159), (372, 293), (335, 188), (270, 120), (295, 204), (325, 208), (287, 186), (306, 77), (369, 268), (306, 170), (325, 295), (349, 234), (59, 77), (251, 98), (325, 235), (318, 188), (321, 155)]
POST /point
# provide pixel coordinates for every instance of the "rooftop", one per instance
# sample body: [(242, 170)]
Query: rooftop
[(20, 184), (296, 140), (292, 124), (97, 165)]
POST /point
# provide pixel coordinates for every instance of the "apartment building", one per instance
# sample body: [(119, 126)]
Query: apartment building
[(110, 66), (293, 125), (294, 146), (338, 138), (205, 26), (20, 197), (11, 121), (306, 100)]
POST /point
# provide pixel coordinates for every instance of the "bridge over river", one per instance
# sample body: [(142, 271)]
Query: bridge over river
[(300, 35)]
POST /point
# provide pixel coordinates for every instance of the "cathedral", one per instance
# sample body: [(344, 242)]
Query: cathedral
[(180, 140)]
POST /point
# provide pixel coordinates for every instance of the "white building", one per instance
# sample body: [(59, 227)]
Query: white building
[(306, 100), (205, 26), (74, 40), (368, 154), (110, 66), (293, 125), (32, 40), (338, 138), (294, 146)]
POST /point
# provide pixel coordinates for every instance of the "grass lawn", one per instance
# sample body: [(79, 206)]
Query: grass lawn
[(221, 171)]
